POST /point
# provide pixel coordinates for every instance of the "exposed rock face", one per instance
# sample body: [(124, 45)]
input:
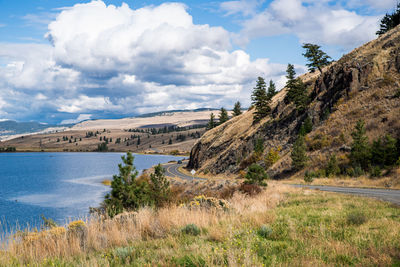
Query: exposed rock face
[(360, 85)]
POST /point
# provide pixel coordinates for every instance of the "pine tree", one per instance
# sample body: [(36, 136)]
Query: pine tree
[(126, 192), (290, 83), (159, 186), (360, 152), (237, 109), (391, 155), (299, 155), (378, 152), (211, 123), (271, 90), (223, 116), (316, 57), (301, 98), (297, 91), (260, 100), (306, 127), (256, 175), (389, 21)]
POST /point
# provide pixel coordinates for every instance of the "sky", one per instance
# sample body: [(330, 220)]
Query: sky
[(64, 61)]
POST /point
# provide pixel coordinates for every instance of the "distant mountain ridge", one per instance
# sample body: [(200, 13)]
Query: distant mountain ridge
[(164, 113), (10, 127)]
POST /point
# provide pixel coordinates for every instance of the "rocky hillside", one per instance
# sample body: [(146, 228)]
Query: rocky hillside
[(363, 84)]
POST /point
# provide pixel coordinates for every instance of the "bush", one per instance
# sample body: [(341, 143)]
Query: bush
[(123, 254), (191, 229), (209, 202), (356, 218), (376, 171), (272, 157), (332, 167), (264, 231), (319, 141), (256, 175), (308, 177)]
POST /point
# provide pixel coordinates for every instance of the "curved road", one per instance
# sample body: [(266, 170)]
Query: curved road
[(172, 170), (383, 194), (393, 196)]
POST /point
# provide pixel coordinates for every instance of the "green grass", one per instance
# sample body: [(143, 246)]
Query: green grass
[(309, 229)]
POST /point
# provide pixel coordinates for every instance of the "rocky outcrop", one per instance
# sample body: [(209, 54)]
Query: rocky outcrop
[(357, 86)]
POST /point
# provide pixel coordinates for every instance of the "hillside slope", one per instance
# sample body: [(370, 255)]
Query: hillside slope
[(361, 85)]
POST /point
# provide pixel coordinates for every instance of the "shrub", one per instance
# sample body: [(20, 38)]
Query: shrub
[(376, 171), (264, 231), (191, 229), (319, 141), (48, 222), (332, 167), (308, 177), (250, 189), (256, 175), (356, 218), (123, 254), (272, 157), (209, 202)]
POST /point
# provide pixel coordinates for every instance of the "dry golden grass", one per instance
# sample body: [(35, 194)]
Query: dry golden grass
[(145, 224)]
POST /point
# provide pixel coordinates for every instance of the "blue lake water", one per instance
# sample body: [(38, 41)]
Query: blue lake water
[(61, 186)]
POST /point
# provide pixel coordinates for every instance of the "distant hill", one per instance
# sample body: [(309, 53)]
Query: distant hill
[(10, 127), (170, 112), (151, 120)]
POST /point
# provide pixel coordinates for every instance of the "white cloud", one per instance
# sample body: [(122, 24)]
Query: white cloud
[(83, 102), (120, 60), (312, 21), (81, 117)]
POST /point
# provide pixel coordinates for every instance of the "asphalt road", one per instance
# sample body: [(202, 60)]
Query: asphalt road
[(393, 196), (171, 170), (389, 195)]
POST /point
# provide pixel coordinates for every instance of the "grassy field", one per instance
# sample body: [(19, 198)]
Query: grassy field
[(392, 182), (280, 226)]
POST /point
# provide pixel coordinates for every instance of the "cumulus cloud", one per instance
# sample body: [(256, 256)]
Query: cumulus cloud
[(312, 21), (114, 59)]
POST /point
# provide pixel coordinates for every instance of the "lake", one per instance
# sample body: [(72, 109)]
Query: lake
[(61, 186)]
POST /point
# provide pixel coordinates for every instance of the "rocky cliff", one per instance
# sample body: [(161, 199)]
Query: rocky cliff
[(362, 84)]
